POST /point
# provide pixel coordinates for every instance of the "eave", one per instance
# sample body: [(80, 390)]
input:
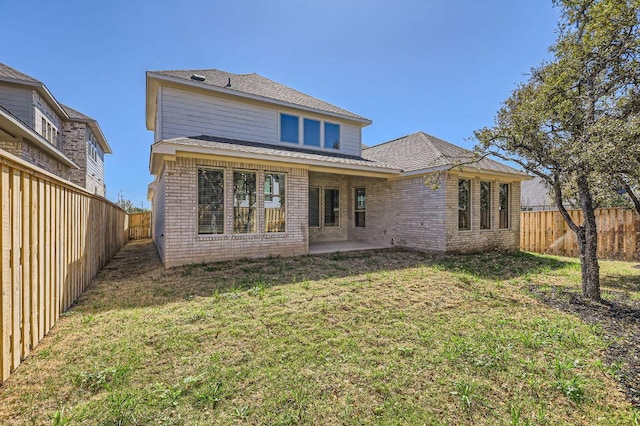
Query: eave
[(154, 80), (468, 171), (167, 151), (17, 128), (42, 89)]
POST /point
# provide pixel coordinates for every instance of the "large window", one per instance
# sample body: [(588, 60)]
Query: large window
[(331, 207), (312, 133), (485, 205), (210, 201), (314, 207), (504, 205), (331, 135), (360, 207), (274, 205), (464, 204), (244, 203), (289, 128)]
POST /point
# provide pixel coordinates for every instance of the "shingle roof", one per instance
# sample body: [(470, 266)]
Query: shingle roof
[(420, 151), (12, 73), (75, 114), (243, 147), (536, 194), (257, 85)]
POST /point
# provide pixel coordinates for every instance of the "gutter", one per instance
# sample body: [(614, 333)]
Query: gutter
[(171, 149)]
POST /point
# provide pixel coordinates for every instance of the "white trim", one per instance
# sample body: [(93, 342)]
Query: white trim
[(169, 148)]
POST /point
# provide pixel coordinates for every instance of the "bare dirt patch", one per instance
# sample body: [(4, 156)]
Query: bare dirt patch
[(619, 317)]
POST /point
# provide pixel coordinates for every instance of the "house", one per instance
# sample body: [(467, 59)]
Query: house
[(536, 195), (246, 167), (34, 126)]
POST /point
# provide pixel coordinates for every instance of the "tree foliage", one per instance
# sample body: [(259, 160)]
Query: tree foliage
[(575, 122)]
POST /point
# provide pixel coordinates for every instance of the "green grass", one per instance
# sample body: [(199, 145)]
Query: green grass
[(384, 337)]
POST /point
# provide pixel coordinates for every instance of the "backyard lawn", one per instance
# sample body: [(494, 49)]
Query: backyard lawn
[(380, 337)]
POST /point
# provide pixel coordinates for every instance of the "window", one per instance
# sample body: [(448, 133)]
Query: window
[(43, 129), (244, 203), (331, 207), (331, 136), (504, 205), (314, 207), (314, 133), (360, 208), (49, 132), (485, 205), (311, 132), (268, 187), (210, 201), (289, 128), (274, 208), (464, 204)]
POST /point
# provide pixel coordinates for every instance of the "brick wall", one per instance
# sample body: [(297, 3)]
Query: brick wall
[(478, 239), (177, 191), (402, 212)]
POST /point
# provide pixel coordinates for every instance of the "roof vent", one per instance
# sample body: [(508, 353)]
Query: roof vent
[(229, 83), (198, 77)]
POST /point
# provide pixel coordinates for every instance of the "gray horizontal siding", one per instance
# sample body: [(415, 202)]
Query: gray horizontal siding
[(191, 114), (19, 101)]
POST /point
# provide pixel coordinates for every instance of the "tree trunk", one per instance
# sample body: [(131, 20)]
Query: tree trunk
[(588, 242)]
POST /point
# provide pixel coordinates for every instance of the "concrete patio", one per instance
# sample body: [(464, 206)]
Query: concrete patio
[(335, 246)]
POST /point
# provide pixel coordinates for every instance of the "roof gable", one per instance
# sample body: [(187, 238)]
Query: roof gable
[(420, 151), (257, 86), (7, 72)]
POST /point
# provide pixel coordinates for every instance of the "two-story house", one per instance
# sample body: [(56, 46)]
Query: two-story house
[(247, 167), (34, 126)]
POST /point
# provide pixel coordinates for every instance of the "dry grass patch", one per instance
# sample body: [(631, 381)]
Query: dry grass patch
[(382, 337)]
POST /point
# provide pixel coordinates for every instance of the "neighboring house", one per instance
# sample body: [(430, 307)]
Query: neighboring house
[(37, 128), (247, 167), (536, 195)]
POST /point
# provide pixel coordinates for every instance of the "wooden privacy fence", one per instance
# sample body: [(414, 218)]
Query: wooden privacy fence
[(55, 237), (547, 232), (139, 225)]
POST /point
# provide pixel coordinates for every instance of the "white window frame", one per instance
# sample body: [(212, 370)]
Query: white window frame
[(301, 143)]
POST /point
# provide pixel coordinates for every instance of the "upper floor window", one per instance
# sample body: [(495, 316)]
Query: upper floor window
[(289, 129), (313, 133), (331, 135)]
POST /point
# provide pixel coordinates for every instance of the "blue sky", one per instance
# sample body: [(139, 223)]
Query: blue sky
[(442, 67)]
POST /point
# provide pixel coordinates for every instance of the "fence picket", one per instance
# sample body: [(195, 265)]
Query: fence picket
[(547, 232)]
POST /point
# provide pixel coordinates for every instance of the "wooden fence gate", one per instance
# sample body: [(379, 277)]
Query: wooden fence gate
[(139, 225), (547, 232)]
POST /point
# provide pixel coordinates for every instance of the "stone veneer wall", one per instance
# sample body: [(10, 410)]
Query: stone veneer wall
[(331, 233), (177, 190), (74, 146), (477, 239), (401, 212)]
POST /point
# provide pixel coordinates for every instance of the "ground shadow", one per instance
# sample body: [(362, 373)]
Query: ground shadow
[(135, 277), (619, 318)]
